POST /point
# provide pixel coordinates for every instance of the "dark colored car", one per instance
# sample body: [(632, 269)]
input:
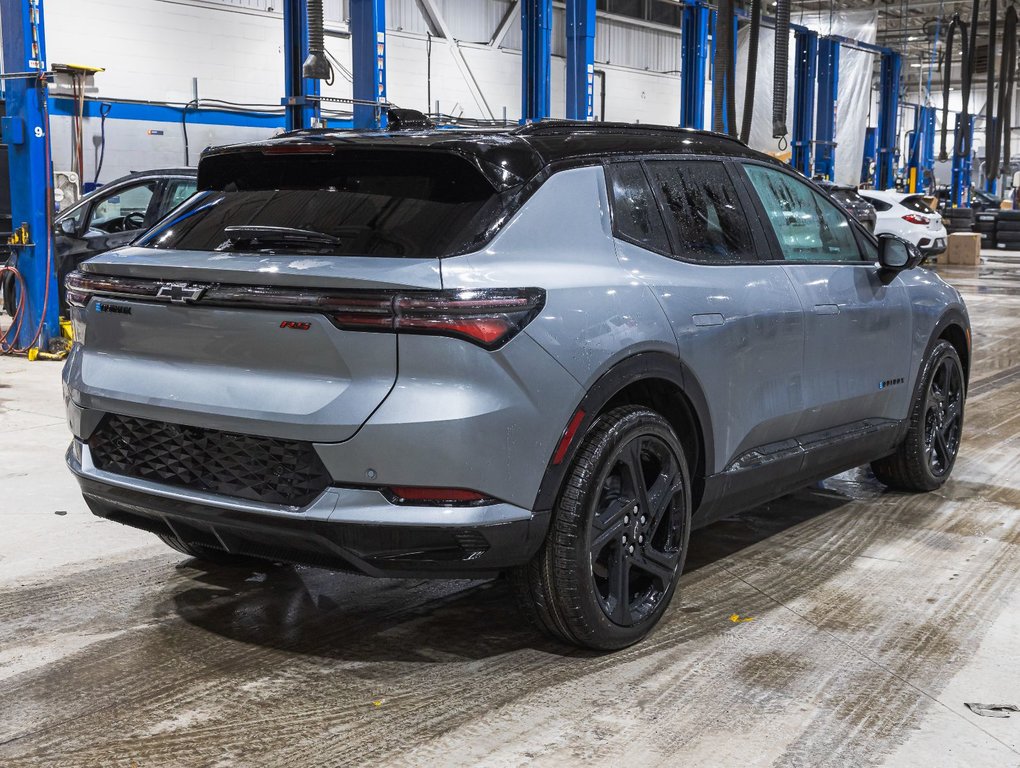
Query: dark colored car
[(851, 200), (984, 201), (109, 217)]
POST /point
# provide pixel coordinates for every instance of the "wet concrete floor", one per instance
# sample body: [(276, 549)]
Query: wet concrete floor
[(866, 620)]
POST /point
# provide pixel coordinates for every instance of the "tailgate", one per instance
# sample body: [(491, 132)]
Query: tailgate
[(240, 367)]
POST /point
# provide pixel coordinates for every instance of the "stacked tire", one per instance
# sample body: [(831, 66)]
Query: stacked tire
[(1007, 231), (958, 220), (984, 222)]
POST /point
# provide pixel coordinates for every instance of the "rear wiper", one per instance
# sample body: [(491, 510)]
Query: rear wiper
[(252, 233)]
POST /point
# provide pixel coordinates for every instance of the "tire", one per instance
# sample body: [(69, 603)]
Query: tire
[(208, 555), (1009, 215), (925, 458), (1008, 226), (1007, 237), (598, 548)]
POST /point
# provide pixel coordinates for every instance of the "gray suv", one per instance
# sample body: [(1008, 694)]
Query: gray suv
[(547, 352)]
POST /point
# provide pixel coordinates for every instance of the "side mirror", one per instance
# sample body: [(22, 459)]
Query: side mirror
[(896, 254), (66, 226)]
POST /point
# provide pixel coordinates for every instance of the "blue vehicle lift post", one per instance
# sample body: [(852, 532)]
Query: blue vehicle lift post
[(302, 111), (888, 107), (368, 62), (694, 51), (825, 125), (536, 57), (580, 59), (960, 185), (805, 74), (922, 149), (25, 130)]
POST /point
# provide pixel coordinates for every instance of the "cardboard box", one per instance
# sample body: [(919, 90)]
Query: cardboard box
[(1006, 205), (964, 249)]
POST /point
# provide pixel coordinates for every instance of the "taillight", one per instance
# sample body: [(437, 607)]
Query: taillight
[(445, 497), (487, 317), (913, 218)]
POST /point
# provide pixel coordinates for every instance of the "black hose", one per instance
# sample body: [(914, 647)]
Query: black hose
[(104, 111), (1007, 81), (723, 106), (781, 69), (947, 62), (316, 27), (752, 68), (991, 126)]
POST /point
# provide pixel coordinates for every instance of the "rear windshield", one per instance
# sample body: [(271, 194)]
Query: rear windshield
[(916, 203), (410, 204)]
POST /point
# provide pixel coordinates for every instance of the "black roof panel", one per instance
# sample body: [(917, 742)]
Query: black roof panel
[(510, 156)]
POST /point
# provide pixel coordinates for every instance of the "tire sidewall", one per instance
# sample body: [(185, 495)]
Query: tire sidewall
[(575, 560)]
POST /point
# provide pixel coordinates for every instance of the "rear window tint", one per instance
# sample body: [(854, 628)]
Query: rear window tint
[(701, 201), (409, 204), (916, 203), (635, 215), (880, 205)]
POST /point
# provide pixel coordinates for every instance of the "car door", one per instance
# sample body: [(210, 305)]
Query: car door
[(737, 320), (857, 321)]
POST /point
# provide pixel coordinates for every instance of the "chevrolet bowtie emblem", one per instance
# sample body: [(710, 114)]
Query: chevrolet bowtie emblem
[(180, 293)]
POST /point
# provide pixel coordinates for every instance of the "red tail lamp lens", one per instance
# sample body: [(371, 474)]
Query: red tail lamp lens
[(437, 496), (913, 218)]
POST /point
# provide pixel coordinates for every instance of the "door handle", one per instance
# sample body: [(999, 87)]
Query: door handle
[(826, 309), (708, 318)]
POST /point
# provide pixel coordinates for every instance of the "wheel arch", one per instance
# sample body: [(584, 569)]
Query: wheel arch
[(653, 379), (954, 327)]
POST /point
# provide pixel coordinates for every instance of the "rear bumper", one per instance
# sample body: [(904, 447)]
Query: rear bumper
[(932, 246), (342, 529)]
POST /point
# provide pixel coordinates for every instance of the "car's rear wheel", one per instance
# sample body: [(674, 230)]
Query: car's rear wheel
[(925, 458), (208, 555), (618, 538)]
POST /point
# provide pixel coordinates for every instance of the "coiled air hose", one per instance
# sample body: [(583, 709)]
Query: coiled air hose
[(781, 69), (1007, 81), (954, 25), (722, 78), (752, 69)]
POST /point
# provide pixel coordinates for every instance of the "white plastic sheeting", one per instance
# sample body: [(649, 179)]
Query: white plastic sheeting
[(853, 98)]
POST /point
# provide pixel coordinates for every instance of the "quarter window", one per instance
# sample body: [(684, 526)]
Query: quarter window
[(808, 227), (635, 214), (700, 201)]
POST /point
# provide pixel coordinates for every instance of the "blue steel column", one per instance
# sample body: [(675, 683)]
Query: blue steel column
[(870, 155), (889, 104), (960, 188), (922, 148), (26, 132), (828, 90), (804, 99), (302, 112), (581, 59), (536, 55), (368, 59), (693, 64)]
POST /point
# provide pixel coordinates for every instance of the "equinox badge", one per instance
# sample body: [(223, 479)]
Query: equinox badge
[(180, 293)]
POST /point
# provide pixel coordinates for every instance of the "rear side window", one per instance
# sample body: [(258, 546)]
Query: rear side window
[(635, 214), (809, 227), (701, 204), (880, 205), (351, 203)]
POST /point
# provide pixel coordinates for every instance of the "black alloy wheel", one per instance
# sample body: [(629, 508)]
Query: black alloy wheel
[(617, 541), (637, 529), (925, 458), (943, 417)]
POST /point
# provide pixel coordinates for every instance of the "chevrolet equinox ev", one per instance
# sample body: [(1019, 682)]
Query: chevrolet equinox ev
[(548, 352)]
